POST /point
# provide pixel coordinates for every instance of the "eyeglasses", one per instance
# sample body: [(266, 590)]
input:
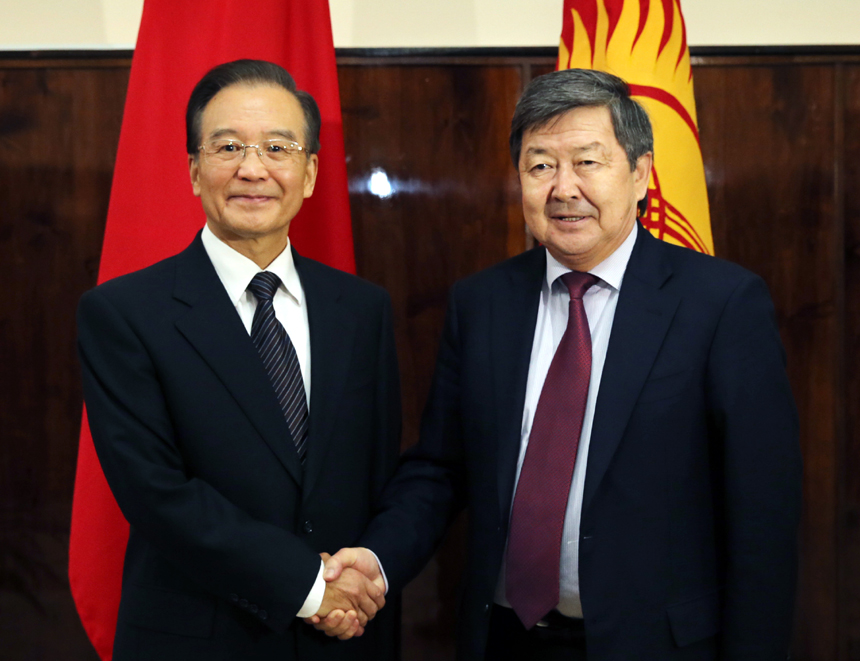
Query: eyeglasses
[(273, 153)]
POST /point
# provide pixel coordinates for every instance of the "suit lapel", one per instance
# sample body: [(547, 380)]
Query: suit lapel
[(214, 329), (512, 326), (332, 333), (642, 319)]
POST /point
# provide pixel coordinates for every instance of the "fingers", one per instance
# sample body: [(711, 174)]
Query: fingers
[(358, 558), (352, 591), (355, 591), (338, 624), (361, 593), (356, 631), (375, 592), (369, 607), (335, 564)]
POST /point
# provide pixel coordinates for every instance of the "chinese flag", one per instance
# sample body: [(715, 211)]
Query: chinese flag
[(153, 213), (645, 43)]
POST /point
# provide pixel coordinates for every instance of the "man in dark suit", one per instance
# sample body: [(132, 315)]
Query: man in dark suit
[(614, 412), (244, 402)]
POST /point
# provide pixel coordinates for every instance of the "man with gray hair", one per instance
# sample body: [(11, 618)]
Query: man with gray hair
[(614, 412)]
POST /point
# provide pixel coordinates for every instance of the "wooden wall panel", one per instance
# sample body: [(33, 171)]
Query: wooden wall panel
[(849, 595), (781, 141), (59, 129), (432, 134), (769, 156)]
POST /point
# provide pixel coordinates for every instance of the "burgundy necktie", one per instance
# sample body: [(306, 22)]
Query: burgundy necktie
[(537, 517)]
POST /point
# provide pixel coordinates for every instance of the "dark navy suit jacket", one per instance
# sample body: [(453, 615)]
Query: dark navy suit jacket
[(226, 525), (692, 491)]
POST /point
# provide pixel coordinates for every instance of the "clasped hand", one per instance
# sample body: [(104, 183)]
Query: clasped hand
[(354, 592)]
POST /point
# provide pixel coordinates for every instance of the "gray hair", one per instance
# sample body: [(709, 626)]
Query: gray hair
[(550, 96)]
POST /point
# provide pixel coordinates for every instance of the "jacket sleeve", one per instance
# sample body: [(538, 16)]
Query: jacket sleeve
[(204, 535), (427, 490), (756, 429)]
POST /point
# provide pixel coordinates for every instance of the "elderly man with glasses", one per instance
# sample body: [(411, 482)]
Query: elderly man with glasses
[(235, 391)]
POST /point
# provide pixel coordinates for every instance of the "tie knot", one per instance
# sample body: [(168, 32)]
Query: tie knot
[(577, 283), (264, 285)]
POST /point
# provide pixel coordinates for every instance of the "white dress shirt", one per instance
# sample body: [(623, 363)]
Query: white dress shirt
[(600, 302), (236, 272)]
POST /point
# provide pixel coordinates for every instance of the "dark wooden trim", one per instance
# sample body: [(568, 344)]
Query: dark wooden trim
[(445, 56), (787, 50), (66, 59), (470, 52), (785, 59), (543, 52), (702, 56)]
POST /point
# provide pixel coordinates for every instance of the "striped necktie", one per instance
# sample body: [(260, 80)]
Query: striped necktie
[(280, 359)]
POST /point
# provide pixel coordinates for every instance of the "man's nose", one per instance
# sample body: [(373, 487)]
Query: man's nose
[(252, 166), (566, 183)]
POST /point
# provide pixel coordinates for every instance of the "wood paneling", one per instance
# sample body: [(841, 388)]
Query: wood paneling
[(781, 141), (431, 136), (59, 129), (849, 469), (771, 172)]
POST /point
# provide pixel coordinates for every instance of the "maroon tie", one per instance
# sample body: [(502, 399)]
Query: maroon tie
[(537, 517)]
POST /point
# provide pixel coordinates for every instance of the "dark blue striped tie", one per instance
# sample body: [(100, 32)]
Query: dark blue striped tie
[(280, 359)]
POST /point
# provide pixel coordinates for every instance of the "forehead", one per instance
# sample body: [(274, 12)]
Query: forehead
[(252, 108), (587, 127)]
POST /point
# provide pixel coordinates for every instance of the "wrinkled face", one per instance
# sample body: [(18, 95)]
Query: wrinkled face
[(246, 201), (579, 195)]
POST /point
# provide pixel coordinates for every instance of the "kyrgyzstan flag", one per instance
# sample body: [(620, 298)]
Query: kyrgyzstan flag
[(645, 43), (153, 213)]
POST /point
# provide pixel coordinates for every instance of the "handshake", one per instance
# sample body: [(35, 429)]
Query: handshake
[(354, 592)]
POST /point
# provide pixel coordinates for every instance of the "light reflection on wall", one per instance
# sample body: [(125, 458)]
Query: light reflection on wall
[(379, 185), (384, 186)]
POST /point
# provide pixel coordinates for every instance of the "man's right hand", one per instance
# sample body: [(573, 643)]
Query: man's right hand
[(346, 609), (357, 558)]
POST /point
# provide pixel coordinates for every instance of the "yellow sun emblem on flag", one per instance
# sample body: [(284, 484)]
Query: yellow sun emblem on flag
[(644, 42)]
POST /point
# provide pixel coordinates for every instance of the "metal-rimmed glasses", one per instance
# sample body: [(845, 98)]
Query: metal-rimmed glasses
[(275, 153)]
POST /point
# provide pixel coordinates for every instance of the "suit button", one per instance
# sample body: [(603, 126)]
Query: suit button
[(308, 527), (486, 608), (254, 608), (243, 603), (263, 615), (234, 598)]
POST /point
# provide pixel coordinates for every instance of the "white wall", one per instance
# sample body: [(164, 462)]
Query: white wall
[(95, 24)]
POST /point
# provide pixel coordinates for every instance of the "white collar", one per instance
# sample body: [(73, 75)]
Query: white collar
[(236, 271), (610, 270)]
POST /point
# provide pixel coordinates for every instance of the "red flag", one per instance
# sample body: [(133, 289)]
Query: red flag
[(153, 213)]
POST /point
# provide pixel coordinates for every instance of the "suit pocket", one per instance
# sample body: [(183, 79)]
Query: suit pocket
[(168, 611), (695, 619), (664, 387)]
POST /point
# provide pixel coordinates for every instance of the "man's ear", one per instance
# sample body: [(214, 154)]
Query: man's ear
[(311, 169), (642, 174), (194, 173)]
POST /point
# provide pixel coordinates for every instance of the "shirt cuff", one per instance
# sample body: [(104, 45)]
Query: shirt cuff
[(381, 571), (315, 596)]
